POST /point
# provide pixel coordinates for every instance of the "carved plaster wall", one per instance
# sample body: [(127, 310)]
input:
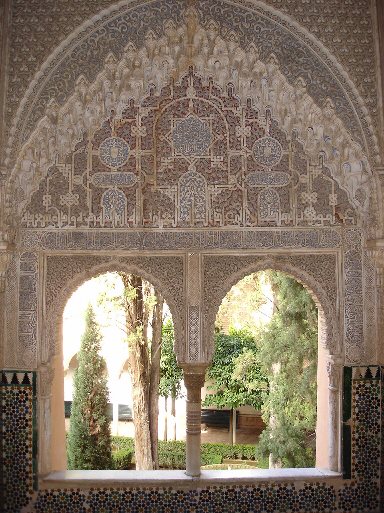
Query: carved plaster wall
[(323, 85), (190, 133), (335, 269), (47, 25), (317, 273), (345, 287), (192, 156), (66, 273)]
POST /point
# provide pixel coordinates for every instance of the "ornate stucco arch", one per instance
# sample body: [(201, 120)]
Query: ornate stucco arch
[(329, 329), (54, 113), (75, 275)]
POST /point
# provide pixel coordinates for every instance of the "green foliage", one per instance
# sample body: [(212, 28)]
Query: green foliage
[(172, 452), (122, 459), (123, 443), (89, 438), (235, 372), (239, 305), (171, 374), (288, 352)]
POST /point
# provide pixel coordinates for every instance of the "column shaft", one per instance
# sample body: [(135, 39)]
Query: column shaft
[(193, 383)]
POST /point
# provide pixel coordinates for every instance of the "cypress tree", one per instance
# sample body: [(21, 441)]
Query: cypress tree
[(288, 353), (89, 438)]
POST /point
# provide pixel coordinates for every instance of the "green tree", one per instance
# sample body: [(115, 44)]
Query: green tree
[(288, 352), (171, 375), (143, 308), (138, 308), (235, 372), (89, 438)]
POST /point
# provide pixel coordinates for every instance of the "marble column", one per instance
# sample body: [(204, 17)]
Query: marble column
[(4, 261), (194, 378), (377, 255), (334, 370)]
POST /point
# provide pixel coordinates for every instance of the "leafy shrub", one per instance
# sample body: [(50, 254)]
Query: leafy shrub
[(172, 452), (123, 442), (229, 452), (122, 459)]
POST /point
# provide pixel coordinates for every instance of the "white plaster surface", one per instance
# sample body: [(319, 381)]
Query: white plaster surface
[(126, 478)]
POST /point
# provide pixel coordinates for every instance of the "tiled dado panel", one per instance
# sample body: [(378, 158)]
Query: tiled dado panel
[(362, 432), (363, 388), (17, 439)]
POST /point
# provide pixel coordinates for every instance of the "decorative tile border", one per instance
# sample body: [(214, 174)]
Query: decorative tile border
[(17, 439), (358, 495), (68, 240), (363, 390), (279, 497)]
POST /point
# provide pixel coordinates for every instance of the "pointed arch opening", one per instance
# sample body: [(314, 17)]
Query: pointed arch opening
[(129, 339), (273, 371)]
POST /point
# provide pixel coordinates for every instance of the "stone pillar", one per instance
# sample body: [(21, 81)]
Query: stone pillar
[(5, 258), (334, 370), (194, 377), (380, 307), (377, 254), (322, 435)]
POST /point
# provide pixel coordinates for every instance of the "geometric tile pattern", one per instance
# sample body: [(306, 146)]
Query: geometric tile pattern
[(382, 443), (314, 497), (347, 421), (357, 495), (362, 494), (17, 439)]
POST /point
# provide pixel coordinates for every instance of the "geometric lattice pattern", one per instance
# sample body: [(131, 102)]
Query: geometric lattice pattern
[(208, 166), (18, 439), (248, 499), (360, 494)]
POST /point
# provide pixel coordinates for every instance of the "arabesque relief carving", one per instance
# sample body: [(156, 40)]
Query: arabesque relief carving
[(317, 273), (227, 141), (65, 274)]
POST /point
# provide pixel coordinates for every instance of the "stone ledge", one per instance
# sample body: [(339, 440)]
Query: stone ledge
[(144, 478)]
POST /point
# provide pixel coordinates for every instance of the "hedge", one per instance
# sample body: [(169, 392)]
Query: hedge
[(122, 459), (172, 452)]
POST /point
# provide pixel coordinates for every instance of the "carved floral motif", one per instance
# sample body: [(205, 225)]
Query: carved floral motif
[(184, 160)]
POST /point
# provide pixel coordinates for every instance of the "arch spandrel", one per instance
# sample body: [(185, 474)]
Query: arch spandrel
[(221, 273), (145, 66), (66, 274)]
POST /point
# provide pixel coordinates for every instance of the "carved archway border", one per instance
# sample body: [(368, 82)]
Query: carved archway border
[(88, 27), (160, 271), (233, 271), (322, 133), (79, 36)]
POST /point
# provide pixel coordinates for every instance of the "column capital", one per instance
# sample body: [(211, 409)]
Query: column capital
[(334, 368), (375, 250), (194, 374)]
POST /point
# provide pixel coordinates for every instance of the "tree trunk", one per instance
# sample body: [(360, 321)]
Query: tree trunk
[(139, 367), (157, 322), (234, 415), (165, 433), (173, 414)]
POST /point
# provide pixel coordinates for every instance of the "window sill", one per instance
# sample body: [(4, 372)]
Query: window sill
[(137, 478)]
